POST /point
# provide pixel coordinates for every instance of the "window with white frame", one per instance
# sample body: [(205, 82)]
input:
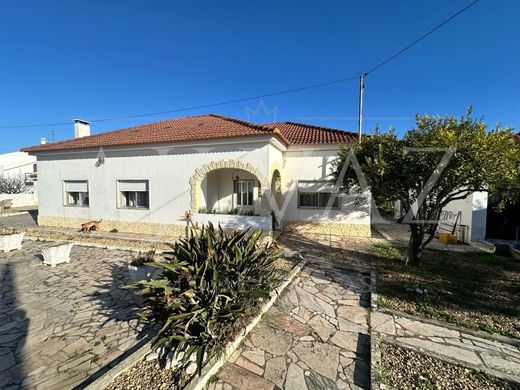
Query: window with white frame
[(133, 194), (244, 192), (316, 195), (76, 193)]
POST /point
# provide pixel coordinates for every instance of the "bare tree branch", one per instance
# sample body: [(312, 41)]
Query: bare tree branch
[(12, 184)]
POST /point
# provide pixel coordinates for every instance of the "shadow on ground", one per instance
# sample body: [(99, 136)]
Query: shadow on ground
[(13, 332), (119, 304)]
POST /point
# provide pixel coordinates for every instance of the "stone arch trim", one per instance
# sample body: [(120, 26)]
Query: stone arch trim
[(200, 174), (276, 187)]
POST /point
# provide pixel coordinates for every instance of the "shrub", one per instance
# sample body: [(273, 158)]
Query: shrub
[(210, 281), (8, 231), (141, 258)]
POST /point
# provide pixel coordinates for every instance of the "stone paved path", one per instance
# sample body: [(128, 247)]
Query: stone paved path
[(19, 221), (452, 345), (316, 335), (60, 325)]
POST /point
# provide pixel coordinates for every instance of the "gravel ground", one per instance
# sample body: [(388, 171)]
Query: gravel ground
[(148, 376), (406, 369)]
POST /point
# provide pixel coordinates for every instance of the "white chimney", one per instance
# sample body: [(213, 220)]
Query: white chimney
[(81, 128), (43, 141)]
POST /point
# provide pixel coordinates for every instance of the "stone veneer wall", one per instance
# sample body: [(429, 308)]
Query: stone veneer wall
[(172, 230), (336, 229), (178, 230)]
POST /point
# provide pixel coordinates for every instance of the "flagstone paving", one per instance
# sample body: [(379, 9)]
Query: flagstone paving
[(316, 334), (60, 325)]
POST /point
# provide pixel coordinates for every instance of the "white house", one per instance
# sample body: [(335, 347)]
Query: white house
[(142, 179), (23, 165), (466, 218), (471, 216), (17, 164)]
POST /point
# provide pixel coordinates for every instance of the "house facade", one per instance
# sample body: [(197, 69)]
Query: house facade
[(239, 174), (17, 164)]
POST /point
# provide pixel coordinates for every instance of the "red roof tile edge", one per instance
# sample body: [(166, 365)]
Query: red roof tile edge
[(242, 129)]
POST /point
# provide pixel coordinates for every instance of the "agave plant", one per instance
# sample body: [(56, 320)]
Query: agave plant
[(210, 280)]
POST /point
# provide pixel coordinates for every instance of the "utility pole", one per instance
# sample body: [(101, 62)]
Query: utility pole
[(360, 116)]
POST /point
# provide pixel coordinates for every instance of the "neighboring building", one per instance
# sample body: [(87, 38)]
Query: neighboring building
[(466, 218), (17, 164), (143, 178), (20, 164), (470, 215)]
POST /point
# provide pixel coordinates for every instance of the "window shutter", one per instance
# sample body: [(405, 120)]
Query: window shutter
[(76, 186), (315, 186), (133, 185)]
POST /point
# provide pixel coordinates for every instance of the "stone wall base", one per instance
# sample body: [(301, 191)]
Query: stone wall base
[(172, 230), (178, 230), (335, 229)]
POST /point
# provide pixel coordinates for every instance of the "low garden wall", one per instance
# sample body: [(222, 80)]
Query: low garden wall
[(235, 221), (21, 200)]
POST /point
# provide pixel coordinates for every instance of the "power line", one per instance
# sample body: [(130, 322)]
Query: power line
[(422, 37), (283, 92), (287, 91), (36, 125), (327, 83)]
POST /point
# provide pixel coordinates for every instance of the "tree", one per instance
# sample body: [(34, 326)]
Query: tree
[(12, 184), (440, 160)]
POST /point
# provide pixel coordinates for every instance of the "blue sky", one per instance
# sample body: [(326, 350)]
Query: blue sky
[(61, 60)]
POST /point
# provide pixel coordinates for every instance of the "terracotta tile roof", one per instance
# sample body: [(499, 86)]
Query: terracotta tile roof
[(195, 128), (302, 134)]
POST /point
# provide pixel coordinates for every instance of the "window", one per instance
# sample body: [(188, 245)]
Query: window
[(317, 195), (76, 193), (133, 194), (244, 192)]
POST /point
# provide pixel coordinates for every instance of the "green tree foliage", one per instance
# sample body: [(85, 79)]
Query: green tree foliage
[(210, 281), (460, 153)]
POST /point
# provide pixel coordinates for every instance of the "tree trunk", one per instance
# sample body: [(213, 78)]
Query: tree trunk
[(415, 249)]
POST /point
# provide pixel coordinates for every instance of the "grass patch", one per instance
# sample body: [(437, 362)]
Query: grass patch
[(472, 289), (386, 251)]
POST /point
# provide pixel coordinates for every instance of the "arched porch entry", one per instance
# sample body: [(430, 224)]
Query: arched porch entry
[(227, 184)]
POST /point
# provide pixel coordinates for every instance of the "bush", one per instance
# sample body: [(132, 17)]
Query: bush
[(4, 231), (12, 184), (141, 259), (210, 281)]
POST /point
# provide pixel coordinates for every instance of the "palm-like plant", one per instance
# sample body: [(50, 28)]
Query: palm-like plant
[(209, 282)]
